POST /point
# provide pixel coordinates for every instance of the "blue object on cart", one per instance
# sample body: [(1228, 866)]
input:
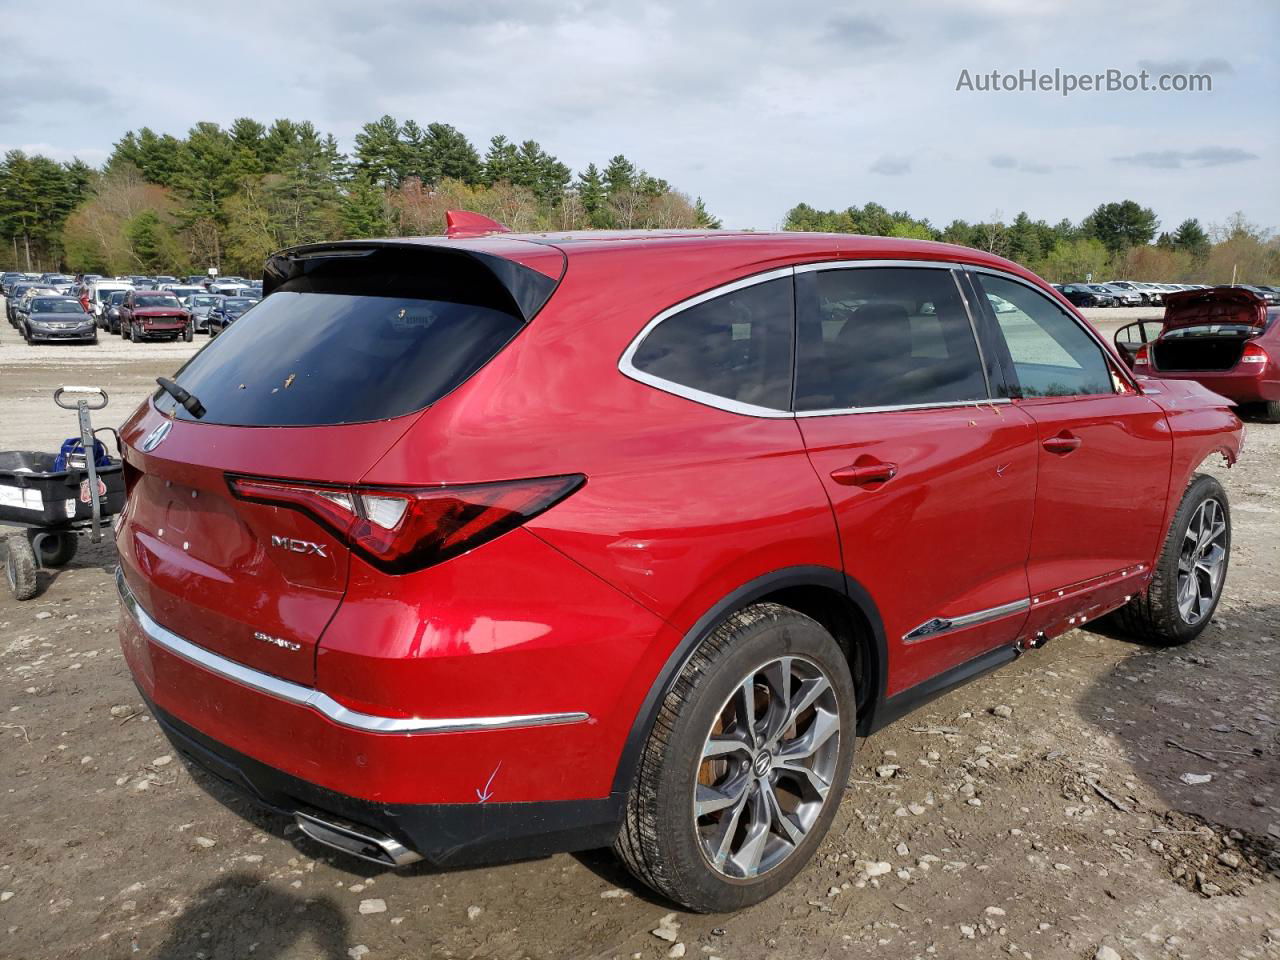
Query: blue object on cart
[(71, 456)]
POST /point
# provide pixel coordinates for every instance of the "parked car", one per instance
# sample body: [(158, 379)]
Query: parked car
[(109, 318), (46, 319), (22, 302), (199, 305), (1123, 295), (1083, 295), (181, 290), (1226, 338), (429, 620), (226, 312), (1270, 296), (16, 292), (95, 297), (154, 314)]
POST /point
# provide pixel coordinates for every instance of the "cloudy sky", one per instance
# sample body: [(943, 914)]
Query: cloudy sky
[(753, 105)]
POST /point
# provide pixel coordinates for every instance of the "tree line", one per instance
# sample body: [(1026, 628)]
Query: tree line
[(1119, 240), (228, 197)]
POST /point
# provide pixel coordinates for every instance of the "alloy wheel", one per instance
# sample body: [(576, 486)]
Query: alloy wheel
[(1202, 561), (766, 767)]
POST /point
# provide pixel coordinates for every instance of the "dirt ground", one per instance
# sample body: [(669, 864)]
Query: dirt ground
[(1059, 828)]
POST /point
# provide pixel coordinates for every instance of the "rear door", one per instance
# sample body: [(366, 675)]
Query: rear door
[(931, 476), (307, 391), (1104, 450)]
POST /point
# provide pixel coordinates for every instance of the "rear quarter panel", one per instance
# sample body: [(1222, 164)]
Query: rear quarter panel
[(1203, 425)]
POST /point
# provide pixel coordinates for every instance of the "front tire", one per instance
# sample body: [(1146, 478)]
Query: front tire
[(746, 764), (1187, 582)]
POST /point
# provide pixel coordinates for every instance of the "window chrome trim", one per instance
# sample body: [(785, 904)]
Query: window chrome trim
[(849, 264), (627, 367), (315, 700), (1075, 318), (894, 408), (940, 625)]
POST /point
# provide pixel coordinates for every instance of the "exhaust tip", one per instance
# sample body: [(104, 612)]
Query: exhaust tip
[(359, 842)]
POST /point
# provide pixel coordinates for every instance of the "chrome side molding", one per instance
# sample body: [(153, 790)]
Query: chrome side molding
[(315, 700), (937, 625)]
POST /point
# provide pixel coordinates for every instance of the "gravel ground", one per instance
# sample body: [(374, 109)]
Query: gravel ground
[(1061, 827)]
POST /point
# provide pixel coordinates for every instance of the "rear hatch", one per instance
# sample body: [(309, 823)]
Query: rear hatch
[(311, 387), (1207, 329)]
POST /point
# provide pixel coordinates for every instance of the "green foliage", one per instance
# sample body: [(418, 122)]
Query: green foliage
[(1118, 226), (228, 197), (1074, 260)]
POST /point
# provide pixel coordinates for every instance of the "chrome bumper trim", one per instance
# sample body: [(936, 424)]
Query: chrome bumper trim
[(946, 624), (315, 700)]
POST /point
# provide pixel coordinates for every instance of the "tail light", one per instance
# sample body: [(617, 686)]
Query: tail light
[(1253, 354), (1143, 357), (400, 530)]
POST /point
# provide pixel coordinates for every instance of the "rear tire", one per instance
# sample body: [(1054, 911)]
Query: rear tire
[(766, 771), (20, 567), (1269, 411), (1187, 582), (56, 549)]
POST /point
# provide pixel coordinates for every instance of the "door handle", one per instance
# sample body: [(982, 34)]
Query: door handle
[(1063, 443), (861, 474)]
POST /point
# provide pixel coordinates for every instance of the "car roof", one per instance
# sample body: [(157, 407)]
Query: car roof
[(697, 252)]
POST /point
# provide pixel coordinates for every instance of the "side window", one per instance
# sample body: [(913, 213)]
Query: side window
[(884, 336), (1052, 356), (736, 346)]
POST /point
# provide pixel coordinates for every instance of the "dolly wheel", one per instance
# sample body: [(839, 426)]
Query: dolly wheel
[(20, 567), (56, 549)]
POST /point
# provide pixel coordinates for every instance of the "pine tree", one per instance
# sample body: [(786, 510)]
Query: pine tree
[(364, 210), (453, 153), (380, 152), (1191, 237), (500, 161), (619, 175), (701, 218), (418, 151)]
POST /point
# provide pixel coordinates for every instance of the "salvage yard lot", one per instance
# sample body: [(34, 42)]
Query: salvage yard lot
[(1041, 812)]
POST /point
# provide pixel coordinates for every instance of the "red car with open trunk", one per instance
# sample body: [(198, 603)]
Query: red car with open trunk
[(493, 546), (1226, 338)]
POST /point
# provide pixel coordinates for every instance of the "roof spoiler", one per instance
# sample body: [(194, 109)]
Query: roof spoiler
[(464, 223), (425, 270)]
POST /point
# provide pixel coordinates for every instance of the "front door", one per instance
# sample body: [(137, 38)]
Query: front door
[(931, 481), (1105, 452)]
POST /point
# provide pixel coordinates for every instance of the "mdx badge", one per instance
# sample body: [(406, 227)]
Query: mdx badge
[(299, 546)]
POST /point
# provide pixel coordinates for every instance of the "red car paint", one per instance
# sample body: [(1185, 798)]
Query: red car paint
[(687, 512)]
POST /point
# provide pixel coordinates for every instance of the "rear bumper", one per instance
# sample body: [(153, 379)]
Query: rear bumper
[(443, 834)]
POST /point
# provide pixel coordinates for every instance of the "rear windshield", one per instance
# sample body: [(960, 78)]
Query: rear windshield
[(305, 359), (156, 300)]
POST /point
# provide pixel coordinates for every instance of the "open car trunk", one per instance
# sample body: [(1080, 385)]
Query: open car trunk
[(1198, 353), (1208, 329)]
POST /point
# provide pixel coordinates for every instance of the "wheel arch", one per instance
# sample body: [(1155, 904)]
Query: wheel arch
[(837, 601)]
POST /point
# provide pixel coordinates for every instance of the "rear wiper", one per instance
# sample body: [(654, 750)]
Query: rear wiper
[(188, 400)]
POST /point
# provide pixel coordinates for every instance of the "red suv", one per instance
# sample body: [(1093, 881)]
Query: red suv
[(464, 548)]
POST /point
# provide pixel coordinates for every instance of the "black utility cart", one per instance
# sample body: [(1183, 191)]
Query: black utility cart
[(55, 498)]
